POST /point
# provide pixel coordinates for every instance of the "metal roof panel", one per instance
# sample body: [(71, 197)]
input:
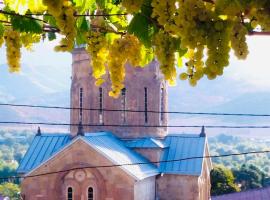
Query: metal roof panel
[(182, 147), (42, 147)]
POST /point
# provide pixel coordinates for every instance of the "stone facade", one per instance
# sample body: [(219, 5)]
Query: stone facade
[(107, 183), (137, 81)]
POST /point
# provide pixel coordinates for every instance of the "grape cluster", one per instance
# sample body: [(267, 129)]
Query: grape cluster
[(200, 30), (164, 11), (132, 6), (122, 50), (28, 40), (97, 49), (165, 52), (63, 12), (13, 49), (238, 41)]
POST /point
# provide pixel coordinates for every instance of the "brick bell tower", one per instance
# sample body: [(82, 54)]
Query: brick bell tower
[(145, 90)]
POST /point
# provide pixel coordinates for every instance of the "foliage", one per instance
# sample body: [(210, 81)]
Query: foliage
[(250, 177), (204, 31), (10, 190), (225, 144), (222, 181)]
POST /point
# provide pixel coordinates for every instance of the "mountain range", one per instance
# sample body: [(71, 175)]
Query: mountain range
[(50, 85)]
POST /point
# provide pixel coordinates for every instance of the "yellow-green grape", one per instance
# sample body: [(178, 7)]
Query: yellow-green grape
[(13, 49), (126, 48), (97, 49), (189, 22), (238, 41), (164, 10), (1, 40), (218, 50), (263, 19), (164, 50), (132, 6), (28, 40), (183, 76), (63, 12)]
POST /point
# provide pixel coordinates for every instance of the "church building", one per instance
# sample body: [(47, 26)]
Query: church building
[(121, 149)]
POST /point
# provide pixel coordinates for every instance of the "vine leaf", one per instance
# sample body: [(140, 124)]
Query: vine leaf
[(140, 27), (26, 25)]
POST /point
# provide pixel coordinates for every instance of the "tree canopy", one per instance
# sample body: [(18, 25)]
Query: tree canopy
[(115, 32), (222, 181)]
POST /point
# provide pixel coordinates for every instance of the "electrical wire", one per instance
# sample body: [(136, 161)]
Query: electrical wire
[(138, 163), (136, 125), (138, 111)]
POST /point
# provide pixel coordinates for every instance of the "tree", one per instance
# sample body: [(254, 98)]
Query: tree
[(11, 190), (119, 31), (222, 181), (250, 177)]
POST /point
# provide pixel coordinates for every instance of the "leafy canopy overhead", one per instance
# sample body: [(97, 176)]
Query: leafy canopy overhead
[(118, 31)]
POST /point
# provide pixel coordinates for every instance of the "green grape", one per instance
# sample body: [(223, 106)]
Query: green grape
[(28, 40), (238, 40), (164, 50), (63, 12), (122, 50), (13, 49), (132, 6), (97, 49)]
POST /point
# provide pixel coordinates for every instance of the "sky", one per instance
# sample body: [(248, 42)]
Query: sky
[(249, 77)]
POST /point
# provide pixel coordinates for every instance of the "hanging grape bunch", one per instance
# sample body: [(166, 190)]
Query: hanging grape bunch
[(203, 32)]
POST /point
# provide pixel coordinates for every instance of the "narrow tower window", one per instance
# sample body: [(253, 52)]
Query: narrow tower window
[(70, 193), (123, 105), (81, 104), (162, 105), (100, 113), (145, 106), (90, 194)]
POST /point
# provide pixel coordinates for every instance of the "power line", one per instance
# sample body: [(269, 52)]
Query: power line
[(138, 163), (137, 111), (136, 125)]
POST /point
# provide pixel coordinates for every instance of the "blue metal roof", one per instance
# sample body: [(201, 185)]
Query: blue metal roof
[(116, 151), (42, 148), (181, 147), (145, 143)]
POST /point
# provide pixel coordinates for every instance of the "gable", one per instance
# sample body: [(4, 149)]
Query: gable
[(110, 149)]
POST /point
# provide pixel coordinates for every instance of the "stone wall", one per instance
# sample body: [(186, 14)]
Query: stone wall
[(145, 189), (177, 187), (108, 183), (136, 80), (152, 154)]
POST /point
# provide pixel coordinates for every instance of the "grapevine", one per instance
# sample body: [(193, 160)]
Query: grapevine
[(203, 32)]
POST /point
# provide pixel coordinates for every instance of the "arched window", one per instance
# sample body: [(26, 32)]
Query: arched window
[(123, 105), (162, 105), (100, 99), (81, 104), (90, 194), (145, 106), (69, 193)]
